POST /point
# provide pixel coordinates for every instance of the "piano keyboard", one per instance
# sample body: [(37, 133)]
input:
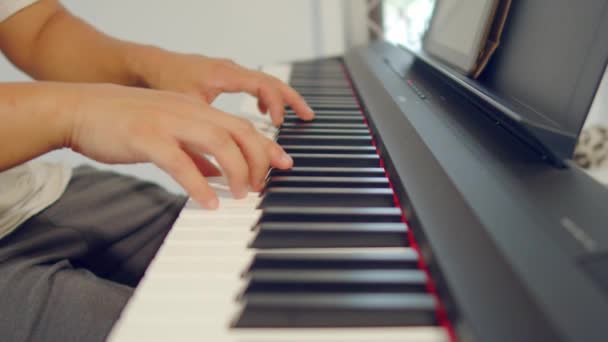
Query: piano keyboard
[(322, 254)]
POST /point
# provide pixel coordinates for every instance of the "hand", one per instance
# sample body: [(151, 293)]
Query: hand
[(209, 77), (116, 124)]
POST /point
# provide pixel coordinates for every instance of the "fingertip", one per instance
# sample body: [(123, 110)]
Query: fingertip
[(286, 160), (262, 107), (212, 203), (310, 114), (240, 193), (278, 112), (277, 120), (298, 103), (283, 161), (260, 186)]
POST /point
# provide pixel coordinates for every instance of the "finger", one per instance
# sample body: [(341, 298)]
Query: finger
[(207, 168), (261, 86), (262, 107), (253, 145), (295, 101), (273, 99), (270, 90), (168, 156), (213, 139), (278, 157)]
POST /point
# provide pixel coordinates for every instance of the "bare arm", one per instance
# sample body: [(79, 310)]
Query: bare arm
[(118, 124), (31, 124), (49, 43)]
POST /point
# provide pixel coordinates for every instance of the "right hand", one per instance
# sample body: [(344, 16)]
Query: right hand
[(116, 124)]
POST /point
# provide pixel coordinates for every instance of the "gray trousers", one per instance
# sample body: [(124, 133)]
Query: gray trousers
[(67, 273)]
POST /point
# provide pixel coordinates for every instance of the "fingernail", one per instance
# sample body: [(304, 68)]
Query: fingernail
[(310, 110), (242, 193), (286, 159), (212, 204)]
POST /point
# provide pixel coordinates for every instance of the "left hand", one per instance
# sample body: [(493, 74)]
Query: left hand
[(207, 78)]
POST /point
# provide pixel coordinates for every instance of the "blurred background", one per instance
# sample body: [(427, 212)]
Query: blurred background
[(254, 33)]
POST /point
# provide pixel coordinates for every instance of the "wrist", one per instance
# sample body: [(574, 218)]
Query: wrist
[(35, 120), (57, 105), (143, 64)]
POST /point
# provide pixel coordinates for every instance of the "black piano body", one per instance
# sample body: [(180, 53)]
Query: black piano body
[(516, 244)]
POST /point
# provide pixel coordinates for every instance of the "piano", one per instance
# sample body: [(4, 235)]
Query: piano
[(416, 211)]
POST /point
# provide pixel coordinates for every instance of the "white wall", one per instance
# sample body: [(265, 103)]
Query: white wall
[(250, 32), (598, 114)]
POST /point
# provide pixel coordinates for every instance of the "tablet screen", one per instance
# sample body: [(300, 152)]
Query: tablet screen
[(457, 23), (457, 28)]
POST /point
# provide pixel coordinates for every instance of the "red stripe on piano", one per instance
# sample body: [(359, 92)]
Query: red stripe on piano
[(442, 317)]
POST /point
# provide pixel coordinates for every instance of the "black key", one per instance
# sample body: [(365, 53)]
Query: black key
[(324, 91), (336, 160), (330, 214), (312, 124), (305, 69), (347, 93), (323, 113), (323, 65), (334, 70), (311, 101), (335, 182), (323, 131), (406, 258), (325, 83), (332, 80), (326, 140), (325, 72), (337, 197), (319, 83), (329, 149), (329, 235), (330, 172), (328, 119), (328, 106), (337, 310), (334, 281), (336, 99), (337, 74)]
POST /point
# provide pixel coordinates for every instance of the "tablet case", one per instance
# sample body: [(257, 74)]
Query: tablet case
[(493, 40)]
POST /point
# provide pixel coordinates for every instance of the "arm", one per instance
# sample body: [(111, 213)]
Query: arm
[(31, 124), (117, 124), (49, 43)]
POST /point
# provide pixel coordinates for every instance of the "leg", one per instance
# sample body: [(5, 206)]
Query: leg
[(110, 224), (57, 303), (123, 220)]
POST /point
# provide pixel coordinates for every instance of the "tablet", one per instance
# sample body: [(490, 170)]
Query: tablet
[(458, 31)]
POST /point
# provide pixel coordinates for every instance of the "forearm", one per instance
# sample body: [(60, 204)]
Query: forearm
[(55, 45), (31, 122)]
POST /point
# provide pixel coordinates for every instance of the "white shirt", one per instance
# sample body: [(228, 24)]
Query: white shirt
[(29, 188)]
